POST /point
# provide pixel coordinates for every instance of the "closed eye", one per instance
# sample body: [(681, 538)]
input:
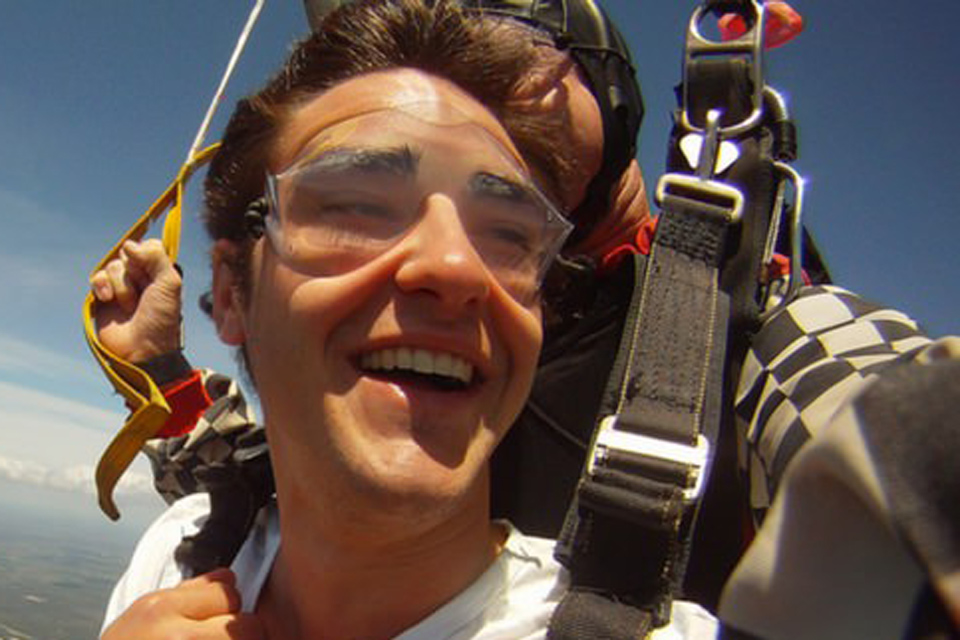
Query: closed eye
[(355, 209), (514, 235)]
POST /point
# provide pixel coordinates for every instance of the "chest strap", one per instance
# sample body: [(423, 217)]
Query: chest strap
[(626, 538)]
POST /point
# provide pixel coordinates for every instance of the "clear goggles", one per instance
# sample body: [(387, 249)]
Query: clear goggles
[(362, 185)]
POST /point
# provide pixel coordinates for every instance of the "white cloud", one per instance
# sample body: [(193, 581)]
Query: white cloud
[(78, 478), (27, 357), (44, 255), (52, 431), (28, 212), (27, 408), (26, 273)]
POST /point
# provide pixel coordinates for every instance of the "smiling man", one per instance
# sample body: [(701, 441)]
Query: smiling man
[(379, 246), (384, 258)]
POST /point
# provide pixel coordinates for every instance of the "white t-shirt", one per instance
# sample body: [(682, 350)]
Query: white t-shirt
[(512, 600)]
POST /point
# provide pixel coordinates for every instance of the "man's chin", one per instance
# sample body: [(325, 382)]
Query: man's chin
[(419, 484)]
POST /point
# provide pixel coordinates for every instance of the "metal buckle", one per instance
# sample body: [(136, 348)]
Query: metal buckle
[(748, 46), (610, 438), (717, 198), (721, 199)]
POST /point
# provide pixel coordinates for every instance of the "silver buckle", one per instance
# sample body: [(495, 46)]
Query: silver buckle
[(726, 198), (611, 439), (749, 47), (720, 199)]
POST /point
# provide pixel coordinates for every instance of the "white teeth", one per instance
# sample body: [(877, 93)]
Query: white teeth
[(419, 360), (462, 370), (404, 359), (388, 359), (443, 362), (422, 361)]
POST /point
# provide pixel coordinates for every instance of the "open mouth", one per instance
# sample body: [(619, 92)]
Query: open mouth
[(434, 369)]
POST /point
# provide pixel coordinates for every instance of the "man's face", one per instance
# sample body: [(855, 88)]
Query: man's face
[(342, 342)]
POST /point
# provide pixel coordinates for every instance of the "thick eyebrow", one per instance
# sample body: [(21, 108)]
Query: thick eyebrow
[(399, 161), (490, 185)]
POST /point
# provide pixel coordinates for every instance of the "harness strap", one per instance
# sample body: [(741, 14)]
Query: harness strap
[(626, 540)]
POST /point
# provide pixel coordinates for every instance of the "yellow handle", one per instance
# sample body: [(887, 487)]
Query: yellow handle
[(148, 408)]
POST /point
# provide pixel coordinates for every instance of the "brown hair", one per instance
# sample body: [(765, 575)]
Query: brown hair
[(483, 57)]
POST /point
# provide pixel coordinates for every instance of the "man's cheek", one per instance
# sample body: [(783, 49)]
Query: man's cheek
[(525, 341)]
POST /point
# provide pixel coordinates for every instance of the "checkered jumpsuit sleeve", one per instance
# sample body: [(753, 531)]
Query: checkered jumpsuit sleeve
[(805, 364)]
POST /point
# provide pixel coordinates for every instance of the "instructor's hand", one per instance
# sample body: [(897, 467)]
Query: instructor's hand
[(205, 608), (139, 295)]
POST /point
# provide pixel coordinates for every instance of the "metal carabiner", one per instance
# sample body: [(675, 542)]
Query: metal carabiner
[(748, 47), (794, 222)]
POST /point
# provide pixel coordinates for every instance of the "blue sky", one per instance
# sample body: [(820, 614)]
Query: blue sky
[(100, 99)]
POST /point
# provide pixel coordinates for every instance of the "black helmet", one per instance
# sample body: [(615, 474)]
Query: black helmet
[(583, 28)]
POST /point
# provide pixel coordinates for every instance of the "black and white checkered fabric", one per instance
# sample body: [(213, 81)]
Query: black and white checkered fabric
[(862, 539), (227, 429), (805, 364)]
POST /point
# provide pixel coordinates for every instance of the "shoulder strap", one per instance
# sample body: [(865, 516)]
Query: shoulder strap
[(626, 538)]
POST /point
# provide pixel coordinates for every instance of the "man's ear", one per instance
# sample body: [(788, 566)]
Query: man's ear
[(228, 308)]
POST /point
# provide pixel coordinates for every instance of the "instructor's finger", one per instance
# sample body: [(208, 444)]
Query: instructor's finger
[(123, 289), (100, 285), (148, 258)]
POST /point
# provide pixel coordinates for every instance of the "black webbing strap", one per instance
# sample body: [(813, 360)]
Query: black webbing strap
[(624, 542), (626, 539)]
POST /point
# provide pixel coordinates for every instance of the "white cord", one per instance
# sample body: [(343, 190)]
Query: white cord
[(237, 50)]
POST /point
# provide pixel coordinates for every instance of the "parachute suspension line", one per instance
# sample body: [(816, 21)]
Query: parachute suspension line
[(218, 96)]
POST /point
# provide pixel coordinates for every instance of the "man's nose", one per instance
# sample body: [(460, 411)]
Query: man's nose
[(440, 258)]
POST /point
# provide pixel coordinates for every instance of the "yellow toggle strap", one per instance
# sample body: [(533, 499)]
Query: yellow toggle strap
[(148, 408)]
